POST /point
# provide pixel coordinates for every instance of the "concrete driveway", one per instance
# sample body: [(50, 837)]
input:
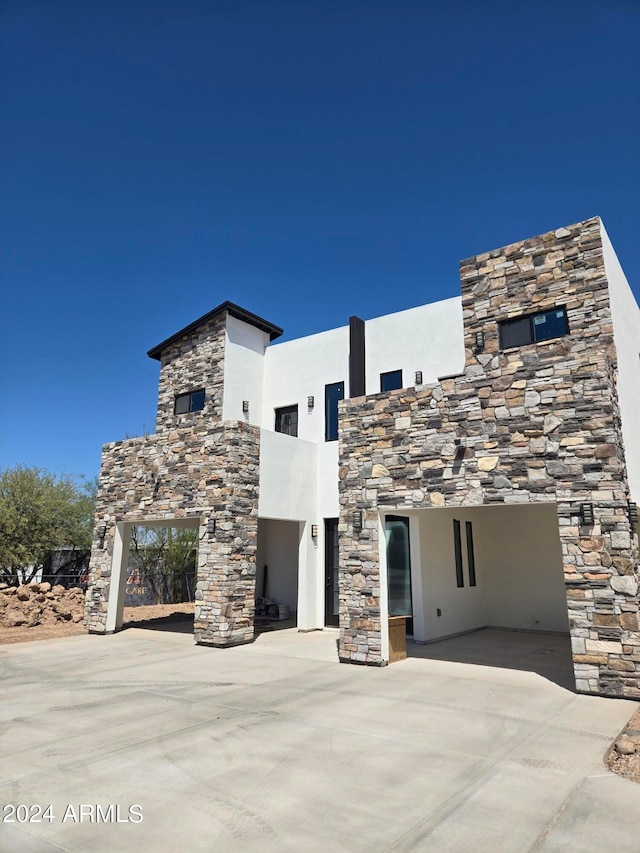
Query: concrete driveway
[(275, 746)]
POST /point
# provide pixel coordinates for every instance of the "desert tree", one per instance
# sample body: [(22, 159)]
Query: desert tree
[(41, 513)]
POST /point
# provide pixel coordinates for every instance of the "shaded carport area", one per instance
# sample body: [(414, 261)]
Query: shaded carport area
[(121, 566), (277, 572), (487, 587)]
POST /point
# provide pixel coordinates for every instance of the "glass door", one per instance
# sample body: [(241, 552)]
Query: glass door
[(399, 568), (331, 562)]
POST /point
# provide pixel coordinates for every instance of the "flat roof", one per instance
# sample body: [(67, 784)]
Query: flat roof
[(226, 307)]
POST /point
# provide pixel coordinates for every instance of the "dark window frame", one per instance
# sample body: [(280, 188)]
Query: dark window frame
[(281, 413), (195, 403), (523, 330), (387, 378), (457, 546), (471, 557), (331, 410)]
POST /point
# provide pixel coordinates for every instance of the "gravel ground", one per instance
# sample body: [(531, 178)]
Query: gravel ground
[(132, 615)]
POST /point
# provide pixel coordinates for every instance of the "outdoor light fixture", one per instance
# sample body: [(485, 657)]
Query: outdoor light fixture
[(102, 532), (586, 514), (314, 531), (310, 402), (357, 520), (211, 526), (245, 406), (633, 513), (479, 340), (418, 377)]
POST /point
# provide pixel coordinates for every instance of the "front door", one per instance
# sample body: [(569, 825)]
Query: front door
[(399, 568), (331, 561)]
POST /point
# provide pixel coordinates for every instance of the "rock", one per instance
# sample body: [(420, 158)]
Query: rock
[(625, 584), (45, 587), (23, 593), (625, 746), (379, 471), (4, 586), (34, 586), (33, 619), (501, 482), (14, 618), (58, 589), (551, 423), (487, 463), (77, 617), (63, 611)]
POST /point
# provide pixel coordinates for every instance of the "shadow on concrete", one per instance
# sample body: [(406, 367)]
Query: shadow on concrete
[(547, 654), (264, 626), (178, 622), (182, 623)]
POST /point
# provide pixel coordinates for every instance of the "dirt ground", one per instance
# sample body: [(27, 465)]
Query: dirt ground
[(622, 757), (132, 616)]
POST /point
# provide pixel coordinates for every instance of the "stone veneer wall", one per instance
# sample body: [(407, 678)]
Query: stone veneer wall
[(198, 472), (193, 362), (535, 423)]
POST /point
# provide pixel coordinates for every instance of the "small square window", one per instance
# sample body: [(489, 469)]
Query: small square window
[(287, 420), (551, 324), (391, 381), (515, 333), (191, 402)]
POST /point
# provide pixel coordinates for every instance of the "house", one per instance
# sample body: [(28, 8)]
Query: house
[(471, 462)]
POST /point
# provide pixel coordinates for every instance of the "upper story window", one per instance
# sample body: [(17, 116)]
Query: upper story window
[(533, 328), (332, 396), (287, 420), (191, 402), (391, 381)]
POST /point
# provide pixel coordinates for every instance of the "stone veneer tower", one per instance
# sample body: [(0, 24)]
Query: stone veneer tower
[(537, 423), (196, 470)]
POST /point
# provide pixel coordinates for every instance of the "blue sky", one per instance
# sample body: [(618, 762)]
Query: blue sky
[(307, 160)]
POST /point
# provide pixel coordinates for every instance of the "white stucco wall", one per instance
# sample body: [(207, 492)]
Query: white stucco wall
[(288, 477), (243, 371), (296, 370), (626, 332), (289, 490), (518, 561), (520, 553), (428, 338), (462, 609)]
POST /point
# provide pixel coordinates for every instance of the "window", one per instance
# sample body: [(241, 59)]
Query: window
[(287, 420), (332, 395), (533, 328), (457, 544), (471, 557), (192, 402), (391, 381)]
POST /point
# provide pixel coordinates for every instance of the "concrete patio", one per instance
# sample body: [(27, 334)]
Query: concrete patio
[(275, 746)]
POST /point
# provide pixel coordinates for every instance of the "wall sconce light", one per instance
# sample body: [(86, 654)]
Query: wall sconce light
[(586, 514), (357, 520), (102, 533), (418, 377), (479, 340), (310, 402), (633, 513), (211, 526), (314, 531), (245, 406)]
